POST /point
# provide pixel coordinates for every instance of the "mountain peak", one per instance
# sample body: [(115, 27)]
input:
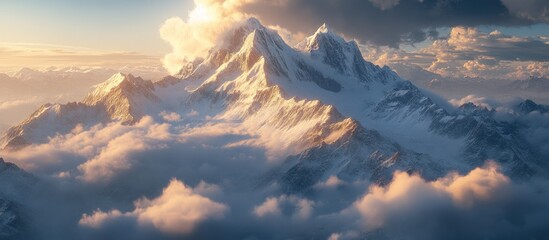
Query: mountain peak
[(323, 32), (231, 42), (528, 106), (123, 95), (253, 23), (344, 56), (112, 82), (116, 80), (24, 73), (324, 28)]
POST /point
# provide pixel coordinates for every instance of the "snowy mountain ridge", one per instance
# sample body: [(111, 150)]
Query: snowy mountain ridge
[(320, 107)]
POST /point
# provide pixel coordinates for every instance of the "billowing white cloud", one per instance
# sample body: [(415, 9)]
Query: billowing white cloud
[(120, 147), (170, 116), (331, 182), (408, 194), (205, 27), (98, 217), (102, 150), (477, 100), (176, 211), (272, 207), (192, 38), (470, 53)]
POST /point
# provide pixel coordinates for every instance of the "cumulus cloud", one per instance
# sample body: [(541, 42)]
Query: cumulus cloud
[(537, 10), (121, 145), (303, 208), (331, 182), (208, 21), (532, 69), (226, 202), (114, 157), (176, 211), (193, 37), (100, 151), (481, 204), (467, 52), (170, 116), (477, 100), (480, 52)]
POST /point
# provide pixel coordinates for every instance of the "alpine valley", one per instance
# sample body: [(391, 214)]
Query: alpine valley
[(256, 131)]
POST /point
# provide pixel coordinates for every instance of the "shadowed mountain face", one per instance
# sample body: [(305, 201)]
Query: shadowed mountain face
[(15, 185)]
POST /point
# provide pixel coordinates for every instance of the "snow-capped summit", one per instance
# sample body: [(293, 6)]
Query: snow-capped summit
[(105, 87), (345, 57), (120, 83), (122, 95), (323, 29)]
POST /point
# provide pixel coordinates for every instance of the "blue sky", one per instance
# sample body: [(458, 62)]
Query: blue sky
[(122, 25)]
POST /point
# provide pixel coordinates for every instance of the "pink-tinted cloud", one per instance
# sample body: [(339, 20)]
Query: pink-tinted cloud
[(176, 211)]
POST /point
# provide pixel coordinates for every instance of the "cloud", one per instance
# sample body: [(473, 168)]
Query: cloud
[(170, 116), (100, 152), (536, 10), (479, 101), (98, 217), (176, 211), (227, 200), (14, 56), (303, 208), (481, 204), (533, 126), (192, 38), (331, 182), (4, 105), (467, 52), (386, 23), (205, 27), (470, 53), (117, 155)]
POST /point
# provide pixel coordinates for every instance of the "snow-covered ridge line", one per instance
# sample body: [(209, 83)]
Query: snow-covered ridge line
[(321, 102)]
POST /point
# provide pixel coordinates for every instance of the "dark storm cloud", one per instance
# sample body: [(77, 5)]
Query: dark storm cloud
[(532, 9), (408, 21), (529, 49)]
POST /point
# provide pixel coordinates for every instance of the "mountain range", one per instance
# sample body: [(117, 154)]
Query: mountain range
[(318, 105), (317, 112)]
